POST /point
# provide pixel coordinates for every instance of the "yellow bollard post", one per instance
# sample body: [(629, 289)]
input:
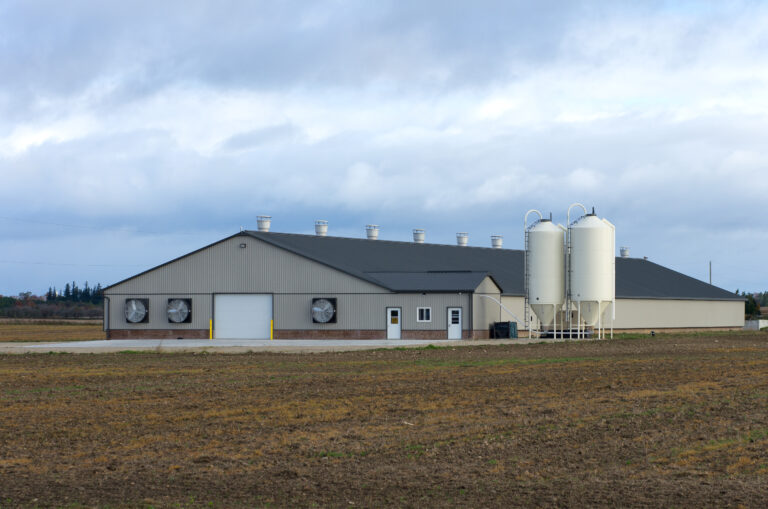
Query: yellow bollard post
[(271, 330), (210, 329)]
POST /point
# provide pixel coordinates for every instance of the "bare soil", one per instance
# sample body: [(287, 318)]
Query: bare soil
[(34, 330), (669, 421)]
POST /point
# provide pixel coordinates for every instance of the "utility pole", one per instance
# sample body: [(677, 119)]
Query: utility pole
[(710, 271)]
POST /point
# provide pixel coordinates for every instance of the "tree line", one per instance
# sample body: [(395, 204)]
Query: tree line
[(73, 293), (72, 302)]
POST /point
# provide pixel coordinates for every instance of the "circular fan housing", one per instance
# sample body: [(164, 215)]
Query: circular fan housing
[(135, 310), (178, 310), (323, 310)]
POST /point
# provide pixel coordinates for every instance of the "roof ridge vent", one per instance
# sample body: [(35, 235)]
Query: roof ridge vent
[(372, 231), (462, 238), (497, 241), (264, 223), (321, 227), (419, 234)]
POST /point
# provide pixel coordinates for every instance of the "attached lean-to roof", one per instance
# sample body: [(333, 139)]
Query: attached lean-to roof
[(411, 267), (429, 281)]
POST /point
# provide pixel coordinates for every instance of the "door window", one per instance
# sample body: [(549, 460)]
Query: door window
[(455, 317)]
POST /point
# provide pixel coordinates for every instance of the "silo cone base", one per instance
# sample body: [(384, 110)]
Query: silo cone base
[(591, 310)]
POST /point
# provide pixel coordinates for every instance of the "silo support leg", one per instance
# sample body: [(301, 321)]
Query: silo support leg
[(578, 320), (613, 316), (599, 321)]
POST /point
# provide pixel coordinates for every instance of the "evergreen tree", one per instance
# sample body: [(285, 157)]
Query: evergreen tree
[(751, 307), (98, 294), (67, 292)]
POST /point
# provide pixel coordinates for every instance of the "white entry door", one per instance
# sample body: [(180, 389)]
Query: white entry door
[(242, 316), (394, 323), (454, 323)]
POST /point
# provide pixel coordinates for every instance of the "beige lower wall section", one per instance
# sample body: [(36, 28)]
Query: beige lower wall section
[(677, 314), (515, 305), (656, 314)]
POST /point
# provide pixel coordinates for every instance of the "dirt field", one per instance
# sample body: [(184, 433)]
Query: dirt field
[(15, 330), (670, 421)]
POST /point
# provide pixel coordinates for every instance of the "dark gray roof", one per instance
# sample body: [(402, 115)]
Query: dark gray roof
[(638, 278), (460, 281), (368, 259), (411, 267)]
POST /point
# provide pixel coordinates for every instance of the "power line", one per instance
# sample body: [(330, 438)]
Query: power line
[(86, 227), (48, 223), (72, 264)]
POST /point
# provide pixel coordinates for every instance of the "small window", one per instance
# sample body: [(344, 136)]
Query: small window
[(423, 314)]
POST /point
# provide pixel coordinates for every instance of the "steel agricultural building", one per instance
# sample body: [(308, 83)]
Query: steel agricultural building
[(261, 285)]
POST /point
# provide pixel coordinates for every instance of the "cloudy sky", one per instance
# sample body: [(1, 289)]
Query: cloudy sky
[(134, 132)]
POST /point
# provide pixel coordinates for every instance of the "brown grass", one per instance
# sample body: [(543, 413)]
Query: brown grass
[(54, 330), (679, 421)]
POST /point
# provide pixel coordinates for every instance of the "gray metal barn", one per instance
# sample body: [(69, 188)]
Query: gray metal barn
[(260, 284)]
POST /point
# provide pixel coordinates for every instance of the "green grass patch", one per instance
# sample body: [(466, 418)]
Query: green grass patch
[(498, 362)]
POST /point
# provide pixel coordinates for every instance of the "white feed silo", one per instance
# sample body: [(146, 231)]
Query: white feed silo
[(545, 270), (592, 269)]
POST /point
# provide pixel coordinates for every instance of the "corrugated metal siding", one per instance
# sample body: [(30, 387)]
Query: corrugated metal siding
[(367, 312), (293, 280), (259, 268), (158, 319)]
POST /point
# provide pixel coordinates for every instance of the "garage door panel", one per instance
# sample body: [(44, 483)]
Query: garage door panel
[(242, 316)]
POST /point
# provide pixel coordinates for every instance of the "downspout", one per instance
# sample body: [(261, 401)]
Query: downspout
[(105, 325), (502, 306), (471, 315)]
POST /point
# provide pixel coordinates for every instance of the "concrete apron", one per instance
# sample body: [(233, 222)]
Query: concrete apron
[(248, 345)]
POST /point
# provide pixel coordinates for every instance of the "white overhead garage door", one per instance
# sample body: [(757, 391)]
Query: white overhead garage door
[(242, 316)]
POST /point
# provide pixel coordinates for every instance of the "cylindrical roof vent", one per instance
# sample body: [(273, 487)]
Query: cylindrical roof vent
[(321, 227), (462, 238), (624, 252), (372, 231), (497, 241), (264, 223), (419, 235)]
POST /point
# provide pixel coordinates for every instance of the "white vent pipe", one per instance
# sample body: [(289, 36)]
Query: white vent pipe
[(497, 241), (372, 231), (624, 252), (264, 223), (419, 235), (321, 228), (462, 238)]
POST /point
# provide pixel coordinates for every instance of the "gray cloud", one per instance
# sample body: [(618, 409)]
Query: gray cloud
[(150, 121), (257, 137)]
